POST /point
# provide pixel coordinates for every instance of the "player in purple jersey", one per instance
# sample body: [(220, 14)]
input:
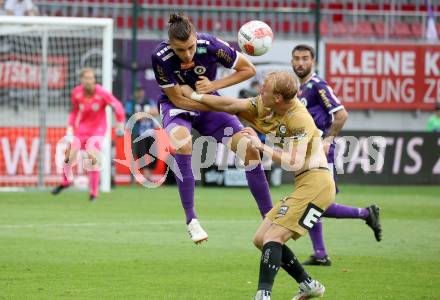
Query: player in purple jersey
[(329, 115), (190, 58)]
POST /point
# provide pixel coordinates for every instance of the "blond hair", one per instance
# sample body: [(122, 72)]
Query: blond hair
[(85, 70), (283, 84)]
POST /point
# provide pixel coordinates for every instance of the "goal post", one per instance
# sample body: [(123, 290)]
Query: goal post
[(40, 62)]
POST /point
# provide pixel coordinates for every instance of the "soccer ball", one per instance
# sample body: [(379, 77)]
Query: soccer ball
[(81, 182), (255, 38)]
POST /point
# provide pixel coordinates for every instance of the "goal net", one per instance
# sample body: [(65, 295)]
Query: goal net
[(40, 62)]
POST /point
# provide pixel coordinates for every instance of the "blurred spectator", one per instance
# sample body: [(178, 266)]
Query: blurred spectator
[(20, 8), (433, 124), (142, 104), (2, 8), (252, 91)]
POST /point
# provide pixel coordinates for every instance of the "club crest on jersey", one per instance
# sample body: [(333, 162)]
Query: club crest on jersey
[(199, 70), (95, 106), (186, 66), (283, 210), (81, 106), (303, 101), (282, 129)]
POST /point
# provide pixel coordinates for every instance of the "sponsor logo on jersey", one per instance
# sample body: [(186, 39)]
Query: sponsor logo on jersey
[(206, 42), (309, 85), (186, 66), (201, 50), (167, 56), (161, 74), (199, 70), (223, 55), (324, 98), (283, 210), (299, 134)]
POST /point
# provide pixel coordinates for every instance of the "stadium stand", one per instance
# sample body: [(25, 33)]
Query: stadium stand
[(361, 19)]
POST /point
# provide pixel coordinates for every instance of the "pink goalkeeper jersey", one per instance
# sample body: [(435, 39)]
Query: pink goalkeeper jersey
[(88, 113)]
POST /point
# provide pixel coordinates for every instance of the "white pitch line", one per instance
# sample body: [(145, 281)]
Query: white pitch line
[(20, 226)]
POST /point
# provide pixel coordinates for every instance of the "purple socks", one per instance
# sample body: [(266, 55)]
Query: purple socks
[(260, 189), (186, 187), (333, 211), (345, 212), (317, 240)]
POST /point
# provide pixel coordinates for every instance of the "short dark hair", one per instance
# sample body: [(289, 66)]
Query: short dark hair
[(180, 27), (304, 47)]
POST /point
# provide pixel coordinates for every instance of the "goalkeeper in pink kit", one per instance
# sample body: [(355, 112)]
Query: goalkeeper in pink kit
[(86, 129)]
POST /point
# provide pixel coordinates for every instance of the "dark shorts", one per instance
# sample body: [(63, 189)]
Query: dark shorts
[(215, 124)]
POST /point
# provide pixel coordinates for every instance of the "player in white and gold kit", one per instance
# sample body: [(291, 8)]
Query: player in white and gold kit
[(277, 113)]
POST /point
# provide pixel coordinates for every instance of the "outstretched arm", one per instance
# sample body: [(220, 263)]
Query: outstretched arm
[(180, 100), (244, 70), (217, 103)]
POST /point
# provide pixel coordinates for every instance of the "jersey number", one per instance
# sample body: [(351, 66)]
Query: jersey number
[(310, 216)]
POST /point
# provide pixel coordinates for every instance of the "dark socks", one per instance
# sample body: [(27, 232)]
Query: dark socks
[(292, 266), (269, 265)]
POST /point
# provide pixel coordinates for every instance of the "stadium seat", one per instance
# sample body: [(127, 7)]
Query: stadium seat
[(323, 27), (408, 7), (371, 6), (140, 22), (160, 23), (417, 30), (401, 30), (340, 29), (379, 28), (286, 26), (362, 29), (150, 22), (120, 22)]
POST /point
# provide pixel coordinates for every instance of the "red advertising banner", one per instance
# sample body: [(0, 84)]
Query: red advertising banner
[(19, 156), (384, 76), (24, 71)]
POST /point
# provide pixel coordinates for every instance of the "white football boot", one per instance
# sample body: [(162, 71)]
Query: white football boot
[(196, 232), (310, 290), (262, 295)]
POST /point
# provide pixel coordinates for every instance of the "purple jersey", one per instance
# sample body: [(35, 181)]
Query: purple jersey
[(170, 70), (321, 103)]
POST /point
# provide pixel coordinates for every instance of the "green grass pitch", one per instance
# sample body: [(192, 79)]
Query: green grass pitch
[(133, 244)]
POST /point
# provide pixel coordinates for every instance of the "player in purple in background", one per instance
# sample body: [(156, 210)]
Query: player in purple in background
[(191, 58), (329, 116)]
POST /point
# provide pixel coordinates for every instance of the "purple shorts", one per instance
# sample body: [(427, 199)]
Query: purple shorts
[(207, 123)]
